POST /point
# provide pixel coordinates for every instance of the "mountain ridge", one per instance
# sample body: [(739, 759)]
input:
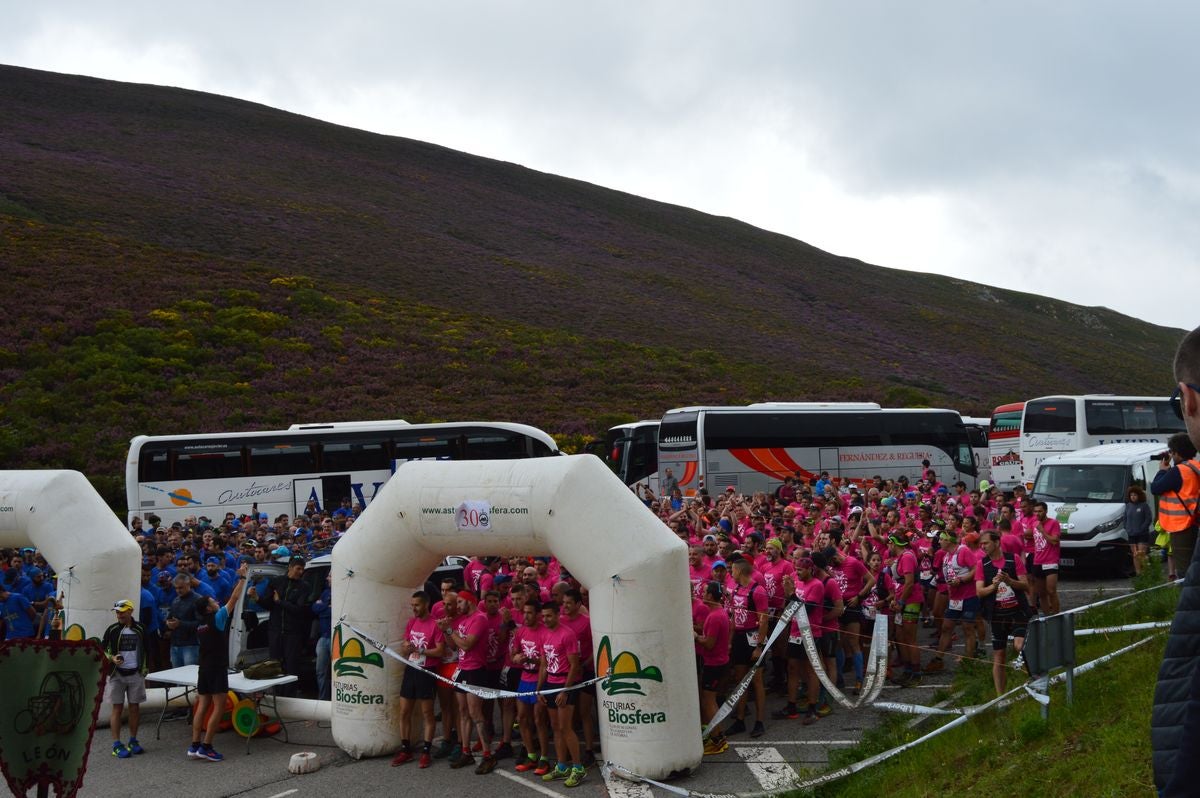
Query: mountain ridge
[(573, 305)]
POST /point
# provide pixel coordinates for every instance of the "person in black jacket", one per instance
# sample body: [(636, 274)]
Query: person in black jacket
[(1175, 720), (125, 645), (289, 601)]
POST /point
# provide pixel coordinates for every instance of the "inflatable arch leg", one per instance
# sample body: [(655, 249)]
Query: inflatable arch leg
[(572, 507), (95, 557)]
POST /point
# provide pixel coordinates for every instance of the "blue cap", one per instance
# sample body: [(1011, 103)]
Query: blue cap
[(213, 560), (719, 564), (34, 572), (282, 551)]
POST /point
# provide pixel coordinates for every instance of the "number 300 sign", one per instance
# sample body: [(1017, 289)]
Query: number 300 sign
[(474, 516)]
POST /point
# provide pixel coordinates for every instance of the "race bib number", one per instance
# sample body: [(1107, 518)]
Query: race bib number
[(869, 612), (752, 639), (797, 638), (957, 604)]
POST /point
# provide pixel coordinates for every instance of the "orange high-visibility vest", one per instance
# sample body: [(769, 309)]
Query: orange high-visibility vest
[(1177, 509)]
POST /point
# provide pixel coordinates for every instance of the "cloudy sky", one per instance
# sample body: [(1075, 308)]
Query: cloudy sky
[(1047, 147)]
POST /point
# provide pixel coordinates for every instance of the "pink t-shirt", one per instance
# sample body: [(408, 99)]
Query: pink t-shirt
[(475, 624), (422, 633), (906, 564), (812, 593), (495, 651), (740, 605), (528, 641), (581, 625), (558, 645), (773, 575), (471, 573), (716, 624), (851, 575), (698, 576), (699, 613), (1045, 552), (960, 564), (1006, 595), (832, 595)]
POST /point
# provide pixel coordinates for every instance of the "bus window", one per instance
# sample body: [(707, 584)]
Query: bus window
[(1055, 415), (207, 465), (355, 456), (154, 465), (282, 458)]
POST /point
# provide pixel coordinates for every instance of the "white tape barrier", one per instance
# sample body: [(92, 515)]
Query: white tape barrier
[(1129, 627), (723, 711), (834, 775), (876, 667), (1122, 597), (1040, 686), (874, 675), (485, 693)]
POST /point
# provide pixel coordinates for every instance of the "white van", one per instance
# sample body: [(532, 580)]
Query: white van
[(1086, 491)]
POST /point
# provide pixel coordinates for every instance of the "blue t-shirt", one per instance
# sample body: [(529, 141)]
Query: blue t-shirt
[(221, 618), (17, 622)]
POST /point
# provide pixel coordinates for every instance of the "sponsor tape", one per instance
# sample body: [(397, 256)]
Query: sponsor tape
[(1121, 597), (486, 693), (876, 662), (834, 775), (724, 710), (1129, 627)]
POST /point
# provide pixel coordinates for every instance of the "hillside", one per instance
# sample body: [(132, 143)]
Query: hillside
[(189, 262)]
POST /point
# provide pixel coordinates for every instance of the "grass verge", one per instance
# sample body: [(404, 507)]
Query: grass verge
[(1099, 746)]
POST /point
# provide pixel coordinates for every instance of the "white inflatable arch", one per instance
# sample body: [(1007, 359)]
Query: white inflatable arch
[(571, 507), (96, 559)]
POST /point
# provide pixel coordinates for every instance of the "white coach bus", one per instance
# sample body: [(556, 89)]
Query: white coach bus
[(1052, 425), (754, 448), (176, 476)]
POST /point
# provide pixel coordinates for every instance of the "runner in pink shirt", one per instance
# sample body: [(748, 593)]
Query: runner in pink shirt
[(560, 668), (469, 633), (422, 645), (774, 569), (906, 606), (1047, 534), (525, 650), (958, 574), (810, 590), (1001, 586), (575, 616), (713, 640), (854, 582)]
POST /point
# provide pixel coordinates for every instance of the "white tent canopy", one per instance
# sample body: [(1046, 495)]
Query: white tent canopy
[(571, 507)]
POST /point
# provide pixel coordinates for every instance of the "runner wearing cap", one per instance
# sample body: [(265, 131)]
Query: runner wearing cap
[(907, 607), (126, 646)]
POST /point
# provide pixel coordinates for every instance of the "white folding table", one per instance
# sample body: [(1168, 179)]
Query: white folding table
[(256, 689)]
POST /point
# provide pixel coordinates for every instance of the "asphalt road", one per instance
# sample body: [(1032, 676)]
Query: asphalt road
[(787, 751)]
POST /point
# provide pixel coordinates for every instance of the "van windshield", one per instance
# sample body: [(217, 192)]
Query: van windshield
[(1081, 483)]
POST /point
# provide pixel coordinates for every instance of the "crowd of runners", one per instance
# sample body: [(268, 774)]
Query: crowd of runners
[(923, 555)]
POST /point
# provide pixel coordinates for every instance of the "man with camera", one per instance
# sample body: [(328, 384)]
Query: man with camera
[(125, 645)]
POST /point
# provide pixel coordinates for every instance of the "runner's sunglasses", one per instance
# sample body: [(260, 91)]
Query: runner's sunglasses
[(1176, 401)]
